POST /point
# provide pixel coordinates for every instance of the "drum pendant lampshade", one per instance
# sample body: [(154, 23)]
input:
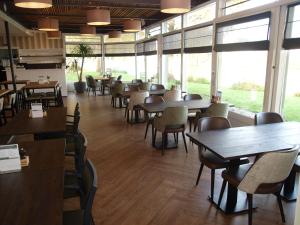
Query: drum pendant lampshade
[(175, 6), (33, 4), (98, 17), (54, 34), (114, 34), (88, 31), (48, 24), (132, 26)]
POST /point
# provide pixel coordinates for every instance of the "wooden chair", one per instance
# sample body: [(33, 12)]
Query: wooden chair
[(155, 87), (84, 216), (136, 98), (173, 121), (192, 115), (149, 118), (267, 117), (174, 95), (214, 110), (265, 176), (206, 157), (11, 105)]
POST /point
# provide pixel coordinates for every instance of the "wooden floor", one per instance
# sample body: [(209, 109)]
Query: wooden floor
[(138, 186)]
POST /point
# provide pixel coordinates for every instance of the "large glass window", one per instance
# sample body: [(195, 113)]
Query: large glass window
[(197, 73), (232, 6), (202, 15), (152, 68), (123, 65), (242, 78), (129, 37), (154, 31), (141, 73), (172, 24), (141, 35), (171, 70)]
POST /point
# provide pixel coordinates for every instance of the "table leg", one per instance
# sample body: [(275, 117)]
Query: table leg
[(290, 188)]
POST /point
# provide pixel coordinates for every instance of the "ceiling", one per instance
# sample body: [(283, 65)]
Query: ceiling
[(72, 13)]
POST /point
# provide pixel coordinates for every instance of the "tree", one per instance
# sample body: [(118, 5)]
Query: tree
[(83, 51)]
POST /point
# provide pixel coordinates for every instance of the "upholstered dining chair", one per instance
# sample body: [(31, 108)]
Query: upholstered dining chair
[(214, 110), (145, 86), (206, 157), (148, 116), (267, 117), (155, 87), (91, 85), (172, 120), (174, 95), (192, 115), (83, 216), (137, 81), (116, 93), (265, 176), (136, 98)]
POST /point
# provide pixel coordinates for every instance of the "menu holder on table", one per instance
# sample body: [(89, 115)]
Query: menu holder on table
[(37, 111), (9, 159)]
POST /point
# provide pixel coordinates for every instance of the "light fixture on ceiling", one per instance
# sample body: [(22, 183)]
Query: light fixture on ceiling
[(175, 6), (33, 4), (87, 30), (54, 34), (114, 34), (98, 17), (132, 26), (48, 24)]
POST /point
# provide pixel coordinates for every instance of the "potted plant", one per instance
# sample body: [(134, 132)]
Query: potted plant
[(83, 51)]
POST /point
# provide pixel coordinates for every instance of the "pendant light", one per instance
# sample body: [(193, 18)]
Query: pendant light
[(114, 34), (33, 4), (87, 30), (175, 6), (98, 17), (48, 24), (132, 25), (54, 34)]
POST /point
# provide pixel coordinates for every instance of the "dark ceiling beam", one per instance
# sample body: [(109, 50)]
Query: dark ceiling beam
[(83, 16)]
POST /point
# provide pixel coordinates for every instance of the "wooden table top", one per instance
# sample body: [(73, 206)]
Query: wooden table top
[(160, 107), (234, 143), (35, 194), (4, 92), (127, 94), (55, 121), (17, 82), (36, 85), (101, 78)]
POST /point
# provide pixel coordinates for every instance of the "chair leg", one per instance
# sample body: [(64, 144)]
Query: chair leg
[(212, 184), (199, 174), (147, 126), (183, 136), (280, 207), (222, 192), (163, 143), (131, 117), (174, 134), (154, 138), (190, 125), (250, 208)]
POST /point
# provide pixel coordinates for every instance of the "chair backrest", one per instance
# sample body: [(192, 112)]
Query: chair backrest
[(217, 110), (213, 123), (270, 168), (192, 97), (117, 88), (1, 104), (119, 78), (154, 99), (137, 98), (80, 150), (174, 95), (145, 86), (89, 187), (133, 87), (175, 116), (137, 81), (267, 117), (90, 81), (12, 99), (155, 87)]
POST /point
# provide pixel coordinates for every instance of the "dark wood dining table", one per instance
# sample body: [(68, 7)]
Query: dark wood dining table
[(10, 82), (54, 122), (235, 143), (35, 194), (127, 94)]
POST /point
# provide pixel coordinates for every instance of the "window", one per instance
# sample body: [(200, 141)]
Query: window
[(232, 6), (197, 73), (292, 30), (198, 40), (172, 43), (124, 66), (151, 47), (201, 15), (171, 70), (154, 31), (172, 24), (129, 37), (152, 68), (141, 72), (248, 33), (140, 48), (119, 49), (242, 78), (141, 35)]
